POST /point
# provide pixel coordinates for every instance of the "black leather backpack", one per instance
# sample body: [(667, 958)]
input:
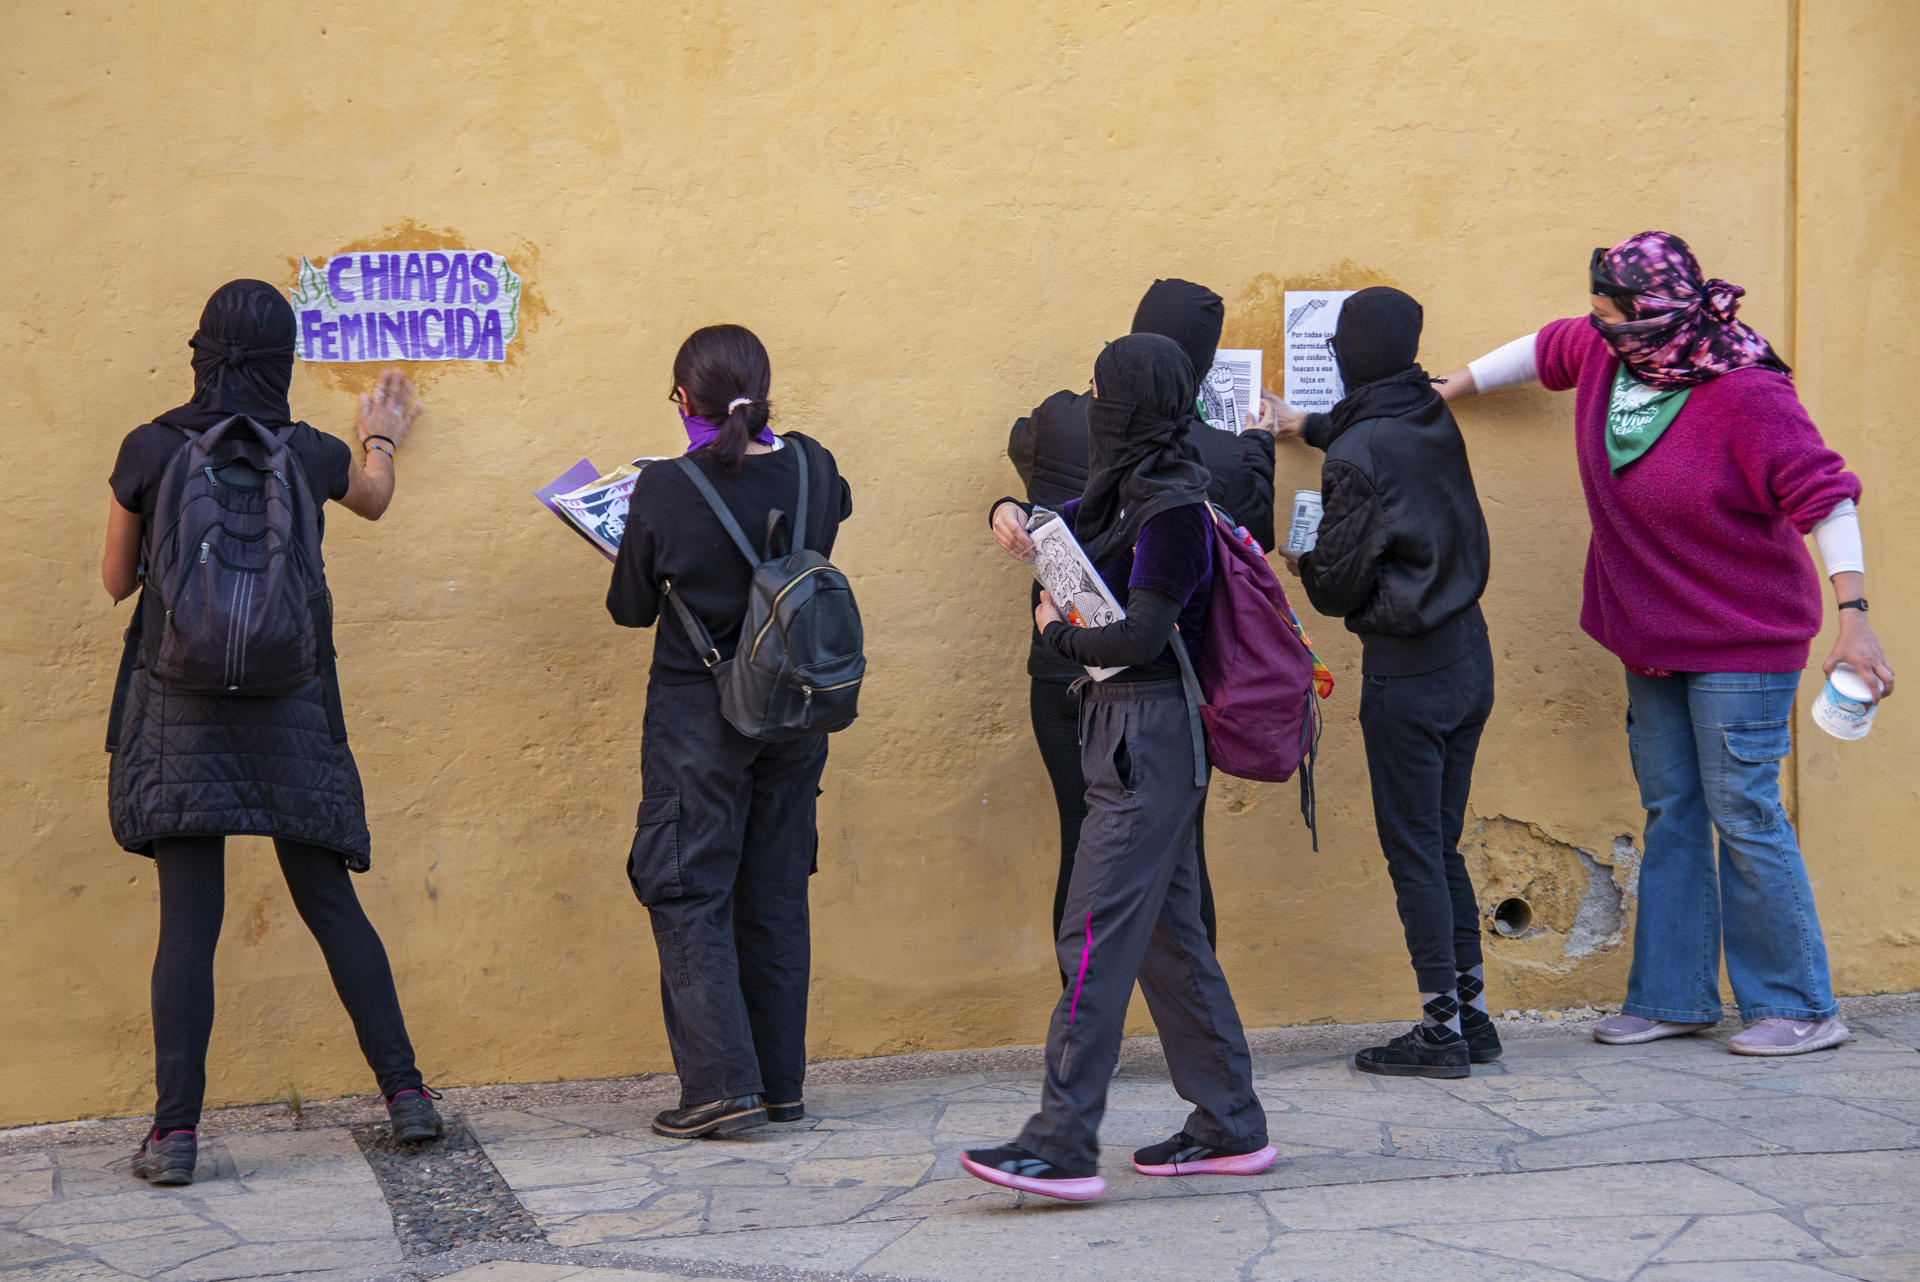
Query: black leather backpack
[(800, 660)]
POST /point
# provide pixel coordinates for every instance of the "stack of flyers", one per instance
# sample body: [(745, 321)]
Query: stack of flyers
[(592, 503), (1077, 589)]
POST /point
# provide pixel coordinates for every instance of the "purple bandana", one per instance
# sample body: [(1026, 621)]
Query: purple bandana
[(700, 432), (1683, 332)]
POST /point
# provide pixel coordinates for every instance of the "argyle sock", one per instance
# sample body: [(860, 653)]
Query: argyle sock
[(1440, 1016), (1470, 987)]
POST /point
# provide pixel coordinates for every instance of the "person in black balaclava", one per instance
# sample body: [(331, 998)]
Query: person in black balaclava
[(1133, 904), (1402, 556), (191, 766), (1049, 450)]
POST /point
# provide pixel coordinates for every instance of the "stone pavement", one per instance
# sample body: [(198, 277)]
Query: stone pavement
[(1673, 1162)]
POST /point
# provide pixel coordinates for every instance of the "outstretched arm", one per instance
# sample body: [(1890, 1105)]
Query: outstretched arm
[(386, 417), (1513, 364)]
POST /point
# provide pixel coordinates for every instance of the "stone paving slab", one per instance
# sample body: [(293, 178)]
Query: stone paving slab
[(261, 1204), (1568, 1160)]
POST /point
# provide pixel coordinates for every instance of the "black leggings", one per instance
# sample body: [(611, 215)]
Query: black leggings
[(193, 895), (1056, 730)]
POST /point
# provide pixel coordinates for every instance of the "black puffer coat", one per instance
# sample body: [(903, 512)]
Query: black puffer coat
[(187, 765)]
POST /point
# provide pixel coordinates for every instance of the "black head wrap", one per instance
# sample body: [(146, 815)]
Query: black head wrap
[(1377, 342), (242, 358), (1139, 460), (1378, 334), (1191, 315)]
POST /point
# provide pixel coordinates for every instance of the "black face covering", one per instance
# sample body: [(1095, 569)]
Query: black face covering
[(1139, 460), (1376, 342), (1191, 315), (242, 359), (1378, 334)]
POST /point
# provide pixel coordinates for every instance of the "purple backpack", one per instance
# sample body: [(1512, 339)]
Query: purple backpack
[(1255, 675)]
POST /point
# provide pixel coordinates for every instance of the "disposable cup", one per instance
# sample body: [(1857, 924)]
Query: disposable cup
[(1845, 706)]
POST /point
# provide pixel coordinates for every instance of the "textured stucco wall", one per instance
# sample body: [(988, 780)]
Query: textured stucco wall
[(933, 215)]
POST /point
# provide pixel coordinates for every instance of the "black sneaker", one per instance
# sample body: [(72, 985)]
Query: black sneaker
[(786, 1112), (1183, 1155), (413, 1115), (1012, 1167), (1483, 1039), (720, 1119), (167, 1159), (1417, 1053)]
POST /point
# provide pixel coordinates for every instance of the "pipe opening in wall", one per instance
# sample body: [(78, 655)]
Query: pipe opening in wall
[(1512, 917)]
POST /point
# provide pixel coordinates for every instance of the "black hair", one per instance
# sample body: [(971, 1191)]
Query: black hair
[(719, 365)]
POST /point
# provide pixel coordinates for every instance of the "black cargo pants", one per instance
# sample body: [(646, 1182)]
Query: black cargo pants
[(724, 845)]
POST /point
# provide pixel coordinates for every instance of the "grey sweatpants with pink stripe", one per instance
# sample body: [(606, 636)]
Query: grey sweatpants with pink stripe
[(1133, 911)]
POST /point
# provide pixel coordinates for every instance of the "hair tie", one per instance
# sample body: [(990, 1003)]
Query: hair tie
[(737, 402)]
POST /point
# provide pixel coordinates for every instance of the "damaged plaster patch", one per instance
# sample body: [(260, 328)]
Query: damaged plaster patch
[(1576, 897)]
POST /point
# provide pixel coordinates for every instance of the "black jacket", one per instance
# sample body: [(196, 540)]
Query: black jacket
[(1403, 552), (1049, 451)]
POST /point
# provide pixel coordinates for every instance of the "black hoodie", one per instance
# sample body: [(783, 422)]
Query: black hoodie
[(1049, 447), (1403, 553)]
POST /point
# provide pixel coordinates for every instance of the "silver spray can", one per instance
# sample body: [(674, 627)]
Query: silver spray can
[(1304, 530)]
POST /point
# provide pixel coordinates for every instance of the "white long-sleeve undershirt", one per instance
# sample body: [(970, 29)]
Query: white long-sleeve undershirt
[(1508, 366), (1837, 536)]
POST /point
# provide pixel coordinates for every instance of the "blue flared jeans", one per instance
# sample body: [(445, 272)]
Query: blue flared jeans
[(1706, 750)]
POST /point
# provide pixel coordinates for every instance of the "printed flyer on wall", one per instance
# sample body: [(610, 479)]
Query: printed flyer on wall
[(429, 305), (1312, 375), (1231, 389), (1064, 571)]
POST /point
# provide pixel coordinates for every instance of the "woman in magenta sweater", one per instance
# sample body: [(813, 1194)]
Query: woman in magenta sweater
[(1703, 474)]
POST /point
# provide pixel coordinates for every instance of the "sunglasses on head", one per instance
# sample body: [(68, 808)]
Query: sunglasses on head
[(1598, 282)]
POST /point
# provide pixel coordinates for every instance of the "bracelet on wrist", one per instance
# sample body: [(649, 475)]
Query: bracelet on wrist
[(379, 449)]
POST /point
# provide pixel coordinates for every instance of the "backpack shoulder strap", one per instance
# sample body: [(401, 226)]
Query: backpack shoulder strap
[(720, 510), (696, 630), (800, 508)]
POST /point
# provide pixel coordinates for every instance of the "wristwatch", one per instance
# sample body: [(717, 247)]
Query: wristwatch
[(1858, 603)]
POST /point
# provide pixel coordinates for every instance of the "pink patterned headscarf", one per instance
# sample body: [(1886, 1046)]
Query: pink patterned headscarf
[(1683, 330)]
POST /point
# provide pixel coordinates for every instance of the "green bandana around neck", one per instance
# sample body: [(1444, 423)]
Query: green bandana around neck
[(1638, 416)]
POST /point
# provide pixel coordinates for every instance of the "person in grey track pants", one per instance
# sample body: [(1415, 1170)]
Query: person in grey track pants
[(1133, 903)]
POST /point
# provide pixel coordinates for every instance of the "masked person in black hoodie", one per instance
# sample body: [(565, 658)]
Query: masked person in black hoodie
[(1402, 556), (1133, 906), (1048, 448)]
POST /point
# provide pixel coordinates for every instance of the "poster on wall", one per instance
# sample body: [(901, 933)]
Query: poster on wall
[(1231, 389), (1312, 376), (425, 305)]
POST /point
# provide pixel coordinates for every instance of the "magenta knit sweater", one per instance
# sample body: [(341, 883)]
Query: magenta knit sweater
[(1698, 561)]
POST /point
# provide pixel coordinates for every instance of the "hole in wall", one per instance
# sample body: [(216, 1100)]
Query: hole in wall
[(1512, 917)]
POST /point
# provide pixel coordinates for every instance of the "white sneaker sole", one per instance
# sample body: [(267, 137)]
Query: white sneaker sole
[(1654, 1034), (1838, 1037)]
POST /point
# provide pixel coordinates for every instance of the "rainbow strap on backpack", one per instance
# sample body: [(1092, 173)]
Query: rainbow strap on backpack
[(1322, 675)]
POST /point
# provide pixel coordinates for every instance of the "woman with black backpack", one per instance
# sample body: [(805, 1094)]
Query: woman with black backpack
[(725, 840), (226, 715)]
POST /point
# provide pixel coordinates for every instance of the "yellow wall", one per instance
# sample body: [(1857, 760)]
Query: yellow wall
[(933, 215)]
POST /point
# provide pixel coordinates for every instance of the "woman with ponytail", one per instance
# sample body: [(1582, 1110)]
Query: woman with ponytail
[(725, 839)]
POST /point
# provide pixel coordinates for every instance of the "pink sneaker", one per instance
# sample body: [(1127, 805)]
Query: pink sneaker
[(1012, 1167), (1787, 1036), (1631, 1030), (1183, 1155)]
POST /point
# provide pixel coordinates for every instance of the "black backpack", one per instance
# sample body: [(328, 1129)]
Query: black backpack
[(235, 562), (797, 668)]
